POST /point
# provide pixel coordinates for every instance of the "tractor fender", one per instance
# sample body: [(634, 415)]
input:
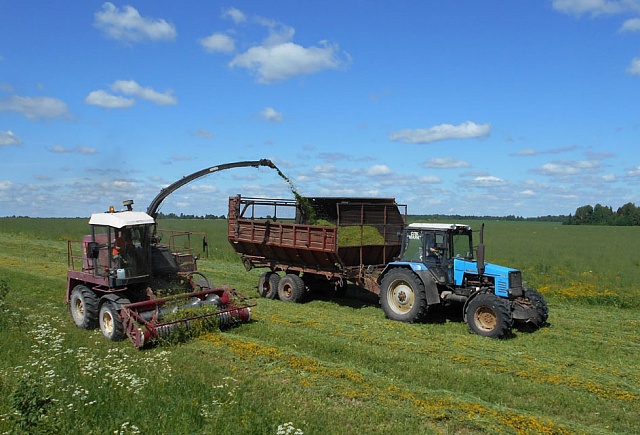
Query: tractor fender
[(431, 288), (117, 299)]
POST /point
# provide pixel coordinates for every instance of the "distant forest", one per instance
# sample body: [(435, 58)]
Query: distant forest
[(188, 216), (627, 215)]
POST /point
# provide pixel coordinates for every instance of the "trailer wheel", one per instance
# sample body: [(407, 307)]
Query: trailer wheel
[(291, 288), (403, 296), (541, 305), (489, 315), (268, 285), (111, 321), (84, 307)]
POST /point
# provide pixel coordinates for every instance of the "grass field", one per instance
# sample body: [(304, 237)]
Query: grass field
[(331, 366)]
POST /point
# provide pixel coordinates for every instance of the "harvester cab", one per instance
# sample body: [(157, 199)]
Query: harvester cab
[(436, 266), (119, 247)]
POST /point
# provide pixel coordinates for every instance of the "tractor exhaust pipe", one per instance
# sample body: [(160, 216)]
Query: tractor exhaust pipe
[(480, 254)]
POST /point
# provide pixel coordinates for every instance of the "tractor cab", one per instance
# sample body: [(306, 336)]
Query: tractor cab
[(119, 247), (436, 246)]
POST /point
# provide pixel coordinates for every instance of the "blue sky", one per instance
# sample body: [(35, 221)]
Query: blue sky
[(526, 108)]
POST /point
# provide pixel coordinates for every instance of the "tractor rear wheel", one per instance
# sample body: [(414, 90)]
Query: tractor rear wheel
[(268, 285), (489, 315), (84, 307), (111, 321), (403, 296), (291, 288)]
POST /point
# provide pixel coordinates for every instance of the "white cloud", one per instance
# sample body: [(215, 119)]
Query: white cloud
[(36, 107), (9, 138), (465, 130), (130, 87), (108, 101), (203, 134), (488, 181), (568, 168), (278, 58), (59, 149), (608, 178), (595, 7), (634, 68), (430, 179), (445, 163), (218, 43), (377, 170), (271, 115), (235, 14), (86, 150), (6, 185), (324, 169), (528, 192), (127, 24), (632, 25), (634, 172)]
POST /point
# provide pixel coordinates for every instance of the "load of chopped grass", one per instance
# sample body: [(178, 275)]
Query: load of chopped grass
[(355, 235)]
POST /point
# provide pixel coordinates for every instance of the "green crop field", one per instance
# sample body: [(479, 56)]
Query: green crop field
[(331, 366)]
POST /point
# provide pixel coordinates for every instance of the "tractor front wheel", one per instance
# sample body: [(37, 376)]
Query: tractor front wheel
[(110, 319), (83, 305), (291, 288), (268, 285), (403, 296), (489, 315), (539, 302)]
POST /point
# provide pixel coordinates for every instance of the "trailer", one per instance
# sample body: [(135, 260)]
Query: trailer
[(315, 242)]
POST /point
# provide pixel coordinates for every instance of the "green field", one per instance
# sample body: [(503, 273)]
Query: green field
[(331, 366)]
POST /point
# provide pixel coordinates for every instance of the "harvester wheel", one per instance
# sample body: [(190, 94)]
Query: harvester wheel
[(539, 302), (111, 321), (489, 315), (291, 288), (268, 285), (84, 307), (403, 296)]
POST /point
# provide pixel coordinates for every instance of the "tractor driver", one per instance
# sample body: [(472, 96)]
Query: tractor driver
[(122, 246)]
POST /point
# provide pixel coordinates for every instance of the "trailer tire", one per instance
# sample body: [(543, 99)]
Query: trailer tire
[(291, 288), (489, 315), (403, 296), (268, 285), (540, 303), (83, 305), (110, 321)]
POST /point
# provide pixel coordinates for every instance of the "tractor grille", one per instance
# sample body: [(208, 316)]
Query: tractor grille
[(515, 280)]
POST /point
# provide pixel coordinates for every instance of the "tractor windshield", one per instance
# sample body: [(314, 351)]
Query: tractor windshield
[(462, 245), (130, 250)]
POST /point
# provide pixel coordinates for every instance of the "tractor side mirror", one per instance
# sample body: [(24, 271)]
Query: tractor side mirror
[(93, 250)]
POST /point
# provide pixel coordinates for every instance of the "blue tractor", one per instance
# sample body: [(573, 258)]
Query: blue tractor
[(436, 266)]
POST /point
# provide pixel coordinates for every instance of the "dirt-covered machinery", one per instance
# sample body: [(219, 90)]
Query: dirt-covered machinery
[(123, 280)]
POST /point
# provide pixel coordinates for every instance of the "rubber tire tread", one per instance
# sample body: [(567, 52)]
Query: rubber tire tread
[(539, 302), (296, 285), (90, 303), (499, 307), (270, 280), (118, 329), (418, 312)]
